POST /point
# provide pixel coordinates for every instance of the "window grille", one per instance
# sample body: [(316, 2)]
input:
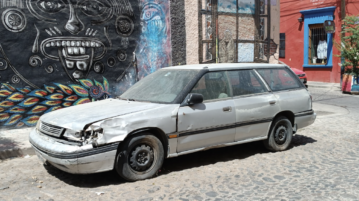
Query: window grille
[(317, 45), (234, 31), (282, 45)]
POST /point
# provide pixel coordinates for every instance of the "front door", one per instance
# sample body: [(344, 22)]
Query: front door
[(212, 122)]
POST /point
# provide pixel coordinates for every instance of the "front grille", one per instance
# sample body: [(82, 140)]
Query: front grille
[(51, 129)]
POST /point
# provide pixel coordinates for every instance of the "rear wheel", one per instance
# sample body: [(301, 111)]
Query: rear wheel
[(280, 135), (139, 157)]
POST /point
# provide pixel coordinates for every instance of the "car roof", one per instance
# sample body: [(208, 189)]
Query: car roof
[(227, 66)]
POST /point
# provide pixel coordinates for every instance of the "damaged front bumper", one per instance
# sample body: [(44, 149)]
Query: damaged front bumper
[(74, 158)]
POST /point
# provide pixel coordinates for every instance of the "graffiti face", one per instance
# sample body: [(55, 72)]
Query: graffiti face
[(75, 38), (59, 53), (78, 53)]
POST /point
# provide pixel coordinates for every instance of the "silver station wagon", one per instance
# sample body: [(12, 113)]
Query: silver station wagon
[(176, 111)]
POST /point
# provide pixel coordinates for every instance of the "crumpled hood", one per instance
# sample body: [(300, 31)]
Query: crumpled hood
[(77, 117)]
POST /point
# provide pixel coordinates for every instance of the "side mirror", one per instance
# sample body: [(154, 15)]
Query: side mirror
[(194, 98)]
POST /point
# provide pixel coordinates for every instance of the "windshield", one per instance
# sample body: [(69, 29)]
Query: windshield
[(162, 86)]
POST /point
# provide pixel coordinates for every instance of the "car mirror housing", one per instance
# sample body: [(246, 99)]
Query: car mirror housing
[(194, 98)]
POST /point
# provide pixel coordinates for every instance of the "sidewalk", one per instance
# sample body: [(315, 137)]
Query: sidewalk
[(323, 85)]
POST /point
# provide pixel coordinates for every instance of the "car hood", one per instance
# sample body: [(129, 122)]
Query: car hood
[(297, 71), (77, 117)]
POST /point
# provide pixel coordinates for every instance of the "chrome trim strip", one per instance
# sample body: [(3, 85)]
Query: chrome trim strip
[(223, 127)]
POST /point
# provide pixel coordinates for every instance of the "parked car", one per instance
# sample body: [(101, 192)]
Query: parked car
[(301, 74), (172, 112)]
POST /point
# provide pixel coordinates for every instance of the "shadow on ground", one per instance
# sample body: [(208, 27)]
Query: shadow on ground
[(180, 163), (7, 149)]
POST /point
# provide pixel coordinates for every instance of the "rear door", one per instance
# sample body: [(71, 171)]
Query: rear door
[(212, 122), (255, 105)]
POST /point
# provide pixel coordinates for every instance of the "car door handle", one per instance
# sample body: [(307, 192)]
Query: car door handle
[(272, 102), (227, 109)]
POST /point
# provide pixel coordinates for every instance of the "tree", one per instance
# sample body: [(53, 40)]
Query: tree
[(349, 44)]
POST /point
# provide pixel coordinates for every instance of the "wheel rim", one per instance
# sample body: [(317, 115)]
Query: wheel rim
[(141, 158), (280, 135)]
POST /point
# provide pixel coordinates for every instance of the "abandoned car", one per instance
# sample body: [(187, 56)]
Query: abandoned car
[(176, 111)]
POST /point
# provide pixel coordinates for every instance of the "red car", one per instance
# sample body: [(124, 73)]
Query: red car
[(302, 76)]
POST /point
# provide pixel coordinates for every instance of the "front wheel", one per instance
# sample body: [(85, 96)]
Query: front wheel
[(280, 135), (140, 157)]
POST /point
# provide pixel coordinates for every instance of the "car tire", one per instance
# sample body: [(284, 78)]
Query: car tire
[(280, 135), (140, 157)]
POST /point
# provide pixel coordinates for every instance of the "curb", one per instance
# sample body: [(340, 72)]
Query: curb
[(16, 152), (319, 86)]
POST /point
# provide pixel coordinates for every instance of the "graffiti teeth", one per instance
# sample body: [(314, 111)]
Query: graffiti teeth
[(70, 50), (82, 50), (76, 51)]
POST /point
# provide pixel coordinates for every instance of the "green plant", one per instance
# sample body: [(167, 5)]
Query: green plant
[(349, 45)]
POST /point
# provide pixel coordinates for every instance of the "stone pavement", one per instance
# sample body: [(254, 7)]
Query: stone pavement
[(321, 164)]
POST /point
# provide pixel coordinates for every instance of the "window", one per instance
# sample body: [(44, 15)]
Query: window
[(245, 82), (317, 44), (282, 45), (279, 79), (213, 85), (234, 31)]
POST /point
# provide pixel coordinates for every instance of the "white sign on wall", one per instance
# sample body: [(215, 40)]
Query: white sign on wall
[(317, 2)]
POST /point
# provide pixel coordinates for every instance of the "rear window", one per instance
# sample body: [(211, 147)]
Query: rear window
[(279, 79)]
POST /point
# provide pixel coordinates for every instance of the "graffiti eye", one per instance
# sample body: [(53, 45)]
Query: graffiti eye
[(92, 8), (151, 14), (52, 6)]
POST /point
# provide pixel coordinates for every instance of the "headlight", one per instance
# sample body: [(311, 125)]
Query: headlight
[(301, 75), (38, 125), (72, 135)]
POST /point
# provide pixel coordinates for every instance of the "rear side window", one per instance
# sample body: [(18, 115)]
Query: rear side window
[(245, 82), (279, 79)]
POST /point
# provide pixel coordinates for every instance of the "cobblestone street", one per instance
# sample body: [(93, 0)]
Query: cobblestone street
[(321, 164)]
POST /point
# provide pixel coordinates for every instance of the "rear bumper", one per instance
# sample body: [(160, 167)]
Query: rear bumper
[(304, 119), (71, 158)]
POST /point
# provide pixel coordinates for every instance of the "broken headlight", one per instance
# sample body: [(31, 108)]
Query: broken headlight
[(72, 135)]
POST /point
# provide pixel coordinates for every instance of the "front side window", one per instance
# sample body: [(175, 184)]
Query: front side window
[(213, 85), (279, 79), (245, 82)]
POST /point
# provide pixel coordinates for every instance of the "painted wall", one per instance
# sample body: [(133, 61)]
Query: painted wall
[(289, 14), (58, 53)]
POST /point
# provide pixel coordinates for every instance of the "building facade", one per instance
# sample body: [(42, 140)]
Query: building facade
[(60, 53), (305, 44)]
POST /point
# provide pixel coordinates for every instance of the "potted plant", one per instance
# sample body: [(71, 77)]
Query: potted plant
[(349, 48)]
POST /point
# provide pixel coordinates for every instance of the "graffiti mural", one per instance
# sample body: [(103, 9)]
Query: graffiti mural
[(155, 42), (24, 106), (72, 43)]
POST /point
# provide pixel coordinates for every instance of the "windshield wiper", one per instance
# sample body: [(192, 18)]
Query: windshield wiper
[(131, 99)]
